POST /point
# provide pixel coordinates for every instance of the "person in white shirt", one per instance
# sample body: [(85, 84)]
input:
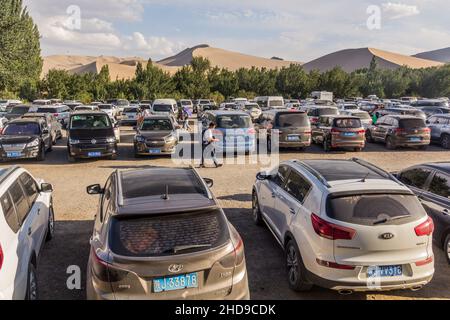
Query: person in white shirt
[(208, 142)]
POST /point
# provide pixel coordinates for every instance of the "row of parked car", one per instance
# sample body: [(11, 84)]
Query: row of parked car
[(160, 233)]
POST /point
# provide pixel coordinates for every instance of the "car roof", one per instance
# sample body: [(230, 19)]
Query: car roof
[(26, 120), (89, 112), (161, 117), (142, 191), (442, 166), (441, 116), (228, 112), (402, 116)]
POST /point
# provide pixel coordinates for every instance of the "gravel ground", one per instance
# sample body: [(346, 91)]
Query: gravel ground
[(267, 276)]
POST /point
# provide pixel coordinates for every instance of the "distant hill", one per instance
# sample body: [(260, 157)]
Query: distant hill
[(442, 55), (354, 59)]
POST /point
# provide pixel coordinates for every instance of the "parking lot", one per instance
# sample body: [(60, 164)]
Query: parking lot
[(75, 211)]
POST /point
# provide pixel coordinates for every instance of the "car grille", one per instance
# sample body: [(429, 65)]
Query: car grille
[(14, 147)]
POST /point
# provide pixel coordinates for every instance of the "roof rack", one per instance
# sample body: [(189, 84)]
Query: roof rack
[(314, 172), (8, 173), (376, 169)]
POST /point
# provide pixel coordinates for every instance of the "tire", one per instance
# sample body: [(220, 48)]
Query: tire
[(51, 224), (54, 139), (50, 148), (390, 144), (113, 157), (445, 141), (423, 148), (369, 137), (32, 288), (447, 248), (69, 157), (359, 149), (41, 156), (256, 211), (296, 269)]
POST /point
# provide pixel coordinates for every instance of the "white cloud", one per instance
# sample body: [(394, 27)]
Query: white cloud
[(400, 10)]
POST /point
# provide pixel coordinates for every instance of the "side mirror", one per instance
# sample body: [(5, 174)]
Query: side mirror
[(209, 182), (46, 187), (262, 176), (94, 189)]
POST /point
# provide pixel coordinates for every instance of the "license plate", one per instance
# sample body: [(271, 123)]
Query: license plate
[(385, 271), (94, 154), (349, 134), (13, 154), (180, 282), (155, 151), (293, 138), (415, 139)]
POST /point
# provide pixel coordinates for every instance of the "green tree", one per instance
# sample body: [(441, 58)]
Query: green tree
[(292, 81)]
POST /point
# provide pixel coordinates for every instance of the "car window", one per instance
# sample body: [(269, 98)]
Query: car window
[(106, 198), (281, 175), (9, 212), (297, 186), (440, 185), (30, 187), (415, 177), (20, 202)]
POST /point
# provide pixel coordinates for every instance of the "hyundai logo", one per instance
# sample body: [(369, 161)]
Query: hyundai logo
[(386, 236), (175, 268)]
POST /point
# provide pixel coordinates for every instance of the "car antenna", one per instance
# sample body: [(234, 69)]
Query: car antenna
[(166, 195), (364, 179)]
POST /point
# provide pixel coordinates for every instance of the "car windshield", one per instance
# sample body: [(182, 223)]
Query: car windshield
[(276, 103), (162, 108), (156, 125), (46, 110), (96, 121), (327, 111), (252, 106), (123, 103), (105, 107), (367, 209), (351, 107), (130, 110), (233, 122), (347, 123), (287, 120), (19, 110), (412, 123), (20, 129)]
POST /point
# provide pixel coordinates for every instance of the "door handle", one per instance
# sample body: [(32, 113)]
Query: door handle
[(292, 211), (39, 211), (274, 194), (446, 212), (29, 231)]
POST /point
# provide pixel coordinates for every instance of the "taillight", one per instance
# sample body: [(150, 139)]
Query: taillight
[(361, 132), (334, 265), (55, 114), (424, 262), (104, 271), (425, 229), (236, 257), (427, 130), (335, 131), (251, 131), (331, 231), (1, 257)]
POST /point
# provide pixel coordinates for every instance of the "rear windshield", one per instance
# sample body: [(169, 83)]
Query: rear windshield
[(168, 235), (233, 122), (362, 115), (347, 123), (412, 123), (130, 110), (368, 209), (327, 111), (105, 106), (22, 129), (19, 110), (90, 122), (157, 125), (186, 103), (46, 110), (275, 103), (287, 120), (162, 108)]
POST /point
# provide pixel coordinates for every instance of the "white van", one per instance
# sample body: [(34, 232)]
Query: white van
[(164, 106), (267, 103)]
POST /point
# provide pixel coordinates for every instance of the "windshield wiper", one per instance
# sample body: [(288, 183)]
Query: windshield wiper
[(390, 219), (178, 249)]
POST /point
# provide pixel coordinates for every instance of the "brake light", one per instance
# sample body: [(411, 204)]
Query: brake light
[(251, 131), (104, 271), (331, 231), (361, 131), (424, 262), (236, 257), (427, 130), (425, 229), (1, 257), (55, 114), (335, 131), (334, 265)]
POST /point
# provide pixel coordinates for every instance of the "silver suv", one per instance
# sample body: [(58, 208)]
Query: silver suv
[(440, 129), (345, 225)]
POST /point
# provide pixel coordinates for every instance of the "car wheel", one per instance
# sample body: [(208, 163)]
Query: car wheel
[(54, 139), (41, 156), (447, 248), (256, 211), (113, 157), (369, 137), (296, 269), (390, 143), (32, 288), (70, 158), (423, 148), (359, 149), (51, 224), (445, 141), (50, 147)]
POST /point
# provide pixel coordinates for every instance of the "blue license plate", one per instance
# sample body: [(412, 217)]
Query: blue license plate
[(94, 154), (180, 282), (14, 154), (155, 151), (415, 139), (385, 271), (349, 134), (293, 138)]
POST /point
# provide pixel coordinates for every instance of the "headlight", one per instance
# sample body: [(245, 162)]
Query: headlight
[(170, 138), (33, 143), (140, 139), (74, 141), (111, 139)]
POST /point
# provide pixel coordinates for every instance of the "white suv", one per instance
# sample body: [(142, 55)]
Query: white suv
[(346, 225), (26, 222)]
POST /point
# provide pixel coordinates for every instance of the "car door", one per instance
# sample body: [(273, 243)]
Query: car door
[(289, 202), (433, 124)]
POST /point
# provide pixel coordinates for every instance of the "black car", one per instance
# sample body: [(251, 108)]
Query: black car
[(431, 183), (91, 135), (25, 139)]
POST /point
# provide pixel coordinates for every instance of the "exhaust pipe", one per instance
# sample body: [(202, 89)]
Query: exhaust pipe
[(416, 288), (345, 292)]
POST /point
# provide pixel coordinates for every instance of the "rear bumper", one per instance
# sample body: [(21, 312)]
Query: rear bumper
[(407, 143), (348, 144), (296, 144), (83, 153)]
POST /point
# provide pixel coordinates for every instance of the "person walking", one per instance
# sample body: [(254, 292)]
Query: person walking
[(208, 143)]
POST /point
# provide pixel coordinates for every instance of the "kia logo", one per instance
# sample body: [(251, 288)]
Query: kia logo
[(175, 268), (386, 236)]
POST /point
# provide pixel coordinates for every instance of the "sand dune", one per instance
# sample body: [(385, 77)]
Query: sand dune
[(353, 59), (223, 59), (442, 55)]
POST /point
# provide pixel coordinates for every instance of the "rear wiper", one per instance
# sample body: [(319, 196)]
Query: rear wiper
[(390, 219), (187, 247)]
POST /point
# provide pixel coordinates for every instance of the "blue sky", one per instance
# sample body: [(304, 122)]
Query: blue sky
[(298, 30)]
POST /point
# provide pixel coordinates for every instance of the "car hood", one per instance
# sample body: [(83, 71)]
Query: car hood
[(17, 139), (89, 133), (155, 134)]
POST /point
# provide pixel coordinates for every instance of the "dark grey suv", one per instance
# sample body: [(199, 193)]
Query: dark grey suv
[(160, 234)]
